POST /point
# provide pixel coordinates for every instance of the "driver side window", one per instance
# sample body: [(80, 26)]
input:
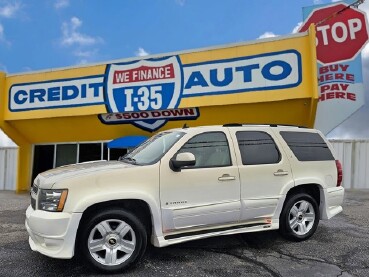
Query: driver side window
[(210, 150)]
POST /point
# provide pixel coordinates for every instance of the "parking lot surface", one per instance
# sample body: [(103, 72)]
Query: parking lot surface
[(340, 247)]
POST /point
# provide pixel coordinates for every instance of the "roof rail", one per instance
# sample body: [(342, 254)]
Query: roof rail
[(232, 125), (271, 125), (287, 125)]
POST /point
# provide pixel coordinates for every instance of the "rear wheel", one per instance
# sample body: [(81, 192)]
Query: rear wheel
[(113, 240), (299, 218)]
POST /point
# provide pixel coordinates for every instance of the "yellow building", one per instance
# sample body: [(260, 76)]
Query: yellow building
[(65, 115)]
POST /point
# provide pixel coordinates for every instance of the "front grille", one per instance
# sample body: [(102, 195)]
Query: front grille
[(33, 203)]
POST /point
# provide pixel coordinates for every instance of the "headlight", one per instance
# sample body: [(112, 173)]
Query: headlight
[(52, 200)]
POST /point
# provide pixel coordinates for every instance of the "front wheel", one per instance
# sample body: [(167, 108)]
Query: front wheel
[(299, 218), (113, 240)]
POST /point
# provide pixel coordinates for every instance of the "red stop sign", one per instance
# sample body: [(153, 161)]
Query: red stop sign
[(341, 37)]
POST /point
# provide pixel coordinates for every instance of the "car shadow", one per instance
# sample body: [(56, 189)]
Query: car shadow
[(172, 256)]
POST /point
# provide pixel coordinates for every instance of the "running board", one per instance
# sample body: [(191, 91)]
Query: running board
[(201, 234)]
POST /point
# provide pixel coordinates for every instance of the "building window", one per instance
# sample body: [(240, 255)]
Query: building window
[(49, 156), (89, 152), (43, 159), (116, 153), (66, 154)]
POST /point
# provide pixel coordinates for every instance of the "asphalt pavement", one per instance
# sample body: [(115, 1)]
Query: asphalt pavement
[(340, 247)]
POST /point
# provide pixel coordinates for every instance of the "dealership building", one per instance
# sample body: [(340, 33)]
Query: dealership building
[(69, 115)]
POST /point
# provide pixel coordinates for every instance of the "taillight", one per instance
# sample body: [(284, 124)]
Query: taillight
[(339, 173)]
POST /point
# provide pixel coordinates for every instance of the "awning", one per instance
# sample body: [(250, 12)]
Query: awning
[(126, 142)]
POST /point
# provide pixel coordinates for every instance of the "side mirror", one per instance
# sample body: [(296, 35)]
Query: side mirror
[(182, 160)]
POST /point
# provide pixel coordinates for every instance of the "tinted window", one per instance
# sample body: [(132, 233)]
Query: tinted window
[(307, 146), (257, 148), (210, 149)]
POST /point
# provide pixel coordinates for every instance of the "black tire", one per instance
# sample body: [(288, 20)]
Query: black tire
[(303, 225), (112, 233)]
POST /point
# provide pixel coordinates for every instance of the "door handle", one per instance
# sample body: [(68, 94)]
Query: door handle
[(226, 177), (280, 172)]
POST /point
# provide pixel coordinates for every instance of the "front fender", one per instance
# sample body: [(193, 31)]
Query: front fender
[(89, 201)]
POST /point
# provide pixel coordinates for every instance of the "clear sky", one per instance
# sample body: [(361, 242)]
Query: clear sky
[(43, 34)]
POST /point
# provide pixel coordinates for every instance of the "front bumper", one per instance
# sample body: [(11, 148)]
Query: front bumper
[(51, 233)]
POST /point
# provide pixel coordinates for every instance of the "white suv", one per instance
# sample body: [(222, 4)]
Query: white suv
[(186, 184)]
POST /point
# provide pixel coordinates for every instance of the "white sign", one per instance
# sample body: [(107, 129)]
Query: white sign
[(261, 72)]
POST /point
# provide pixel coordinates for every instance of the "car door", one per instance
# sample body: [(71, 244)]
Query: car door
[(264, 172), (203, 195)]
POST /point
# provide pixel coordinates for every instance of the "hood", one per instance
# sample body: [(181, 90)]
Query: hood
[(48, 178)]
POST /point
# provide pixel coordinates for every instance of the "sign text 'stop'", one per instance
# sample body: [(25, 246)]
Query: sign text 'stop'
[(340, 37)]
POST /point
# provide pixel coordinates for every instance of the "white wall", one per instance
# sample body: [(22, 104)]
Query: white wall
[(8, 168), (5, 141), (354, 156)]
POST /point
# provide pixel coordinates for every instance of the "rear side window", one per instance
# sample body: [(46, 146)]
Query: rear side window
[(307, 146), (257, 148)]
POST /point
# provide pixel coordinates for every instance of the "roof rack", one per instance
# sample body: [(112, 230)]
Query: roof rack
[(287, 125), (252, 124), (232, 125)]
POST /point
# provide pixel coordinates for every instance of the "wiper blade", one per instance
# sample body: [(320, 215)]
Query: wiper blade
[(129, 159)]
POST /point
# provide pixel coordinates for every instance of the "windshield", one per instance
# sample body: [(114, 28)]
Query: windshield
[(153, 149)]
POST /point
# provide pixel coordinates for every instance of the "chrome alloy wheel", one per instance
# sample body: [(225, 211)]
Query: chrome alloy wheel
[(301, 217), (112, 242)]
